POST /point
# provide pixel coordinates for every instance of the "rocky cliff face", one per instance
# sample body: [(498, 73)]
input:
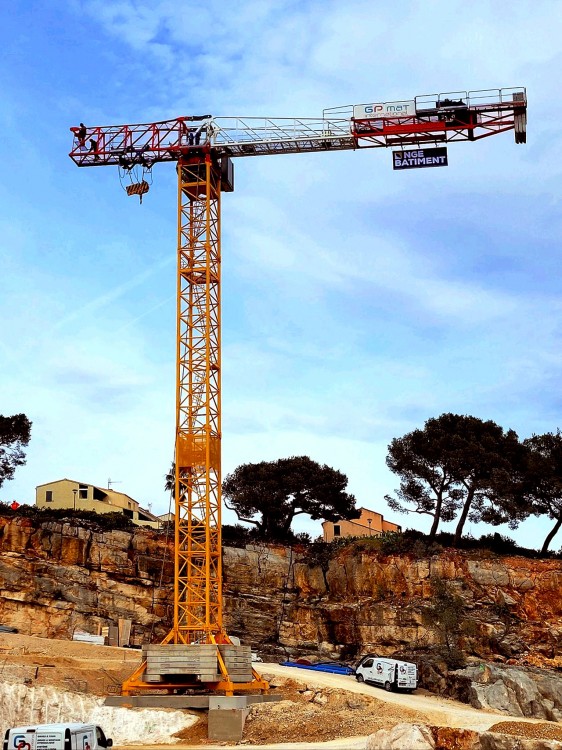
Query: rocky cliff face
[(380, 603), (55, 578)]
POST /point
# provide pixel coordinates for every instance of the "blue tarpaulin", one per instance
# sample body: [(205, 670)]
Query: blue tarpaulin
[(333, 668)]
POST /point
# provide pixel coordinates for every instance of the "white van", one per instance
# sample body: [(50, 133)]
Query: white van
[(57, 737), (388, 673)]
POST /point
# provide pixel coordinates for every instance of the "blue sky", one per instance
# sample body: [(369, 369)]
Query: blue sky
[(357, 301)]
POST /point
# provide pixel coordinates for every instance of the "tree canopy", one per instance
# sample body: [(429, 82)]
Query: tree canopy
[(270, 494), (458, 463), (15, 434), (543, 479)]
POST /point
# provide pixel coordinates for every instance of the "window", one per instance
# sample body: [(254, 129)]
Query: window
[(97, 494), (367, 663), (100, 736), (83, 491), (48, 496), (337, 529)]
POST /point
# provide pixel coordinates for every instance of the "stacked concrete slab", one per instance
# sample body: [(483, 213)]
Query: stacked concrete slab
[(164, 662), (238, 662), (198, 662)]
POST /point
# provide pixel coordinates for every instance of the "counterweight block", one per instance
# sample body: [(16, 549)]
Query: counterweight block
[(197, 663)]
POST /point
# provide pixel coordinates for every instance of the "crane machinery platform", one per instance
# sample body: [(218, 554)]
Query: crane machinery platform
[(197, 653)]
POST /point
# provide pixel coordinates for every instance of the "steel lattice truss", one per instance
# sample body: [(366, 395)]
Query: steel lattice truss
[(482, 113), (198, 605)]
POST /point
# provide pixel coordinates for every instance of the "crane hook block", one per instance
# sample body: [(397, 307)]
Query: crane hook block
[(138, 188)]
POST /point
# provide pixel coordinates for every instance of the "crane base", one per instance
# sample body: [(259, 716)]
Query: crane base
[(226, 717), (179, 667), (197, 702)]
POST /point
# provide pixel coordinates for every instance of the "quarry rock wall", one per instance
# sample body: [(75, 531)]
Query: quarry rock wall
[(56, 577)]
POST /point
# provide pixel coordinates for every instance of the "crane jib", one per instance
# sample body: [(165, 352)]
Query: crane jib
[(433, 119)]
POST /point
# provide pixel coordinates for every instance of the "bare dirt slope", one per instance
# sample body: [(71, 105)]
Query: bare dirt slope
[(317, 714), (391, 708), (70, 665)]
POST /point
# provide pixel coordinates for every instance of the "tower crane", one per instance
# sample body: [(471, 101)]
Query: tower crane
[(197, 652)]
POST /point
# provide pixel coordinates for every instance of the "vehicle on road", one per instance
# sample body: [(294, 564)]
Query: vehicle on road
[(390, 674), (57, 737)]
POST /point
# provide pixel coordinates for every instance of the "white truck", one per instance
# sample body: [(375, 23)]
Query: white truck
[(57, 737), (388, 673)]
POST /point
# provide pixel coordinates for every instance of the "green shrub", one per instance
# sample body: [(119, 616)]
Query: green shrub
[(501, 545), (86, 518), (237, 535)]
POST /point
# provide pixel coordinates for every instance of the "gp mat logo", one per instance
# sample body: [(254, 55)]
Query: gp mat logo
[(384, 110), (419, 158), (19, 742)]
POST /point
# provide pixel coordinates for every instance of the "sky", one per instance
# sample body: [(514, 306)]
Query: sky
[(357, 301)]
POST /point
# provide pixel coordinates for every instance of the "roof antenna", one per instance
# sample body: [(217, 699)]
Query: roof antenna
[(112, 481)]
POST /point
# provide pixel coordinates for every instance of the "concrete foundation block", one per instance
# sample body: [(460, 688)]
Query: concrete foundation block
[(227, 724)]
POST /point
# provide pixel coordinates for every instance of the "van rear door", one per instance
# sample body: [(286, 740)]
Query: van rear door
[(407, 675)]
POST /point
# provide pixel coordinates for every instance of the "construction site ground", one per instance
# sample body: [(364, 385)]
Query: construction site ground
[(315, 708), (68, 665)]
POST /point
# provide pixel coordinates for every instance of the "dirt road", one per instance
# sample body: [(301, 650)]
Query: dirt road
[(438, 711), (349, 743)]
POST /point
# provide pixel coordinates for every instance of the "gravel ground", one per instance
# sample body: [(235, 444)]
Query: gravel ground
[(312, 715), (538, 731)]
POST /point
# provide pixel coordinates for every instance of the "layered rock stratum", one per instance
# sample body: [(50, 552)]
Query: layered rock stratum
[(57, 577)]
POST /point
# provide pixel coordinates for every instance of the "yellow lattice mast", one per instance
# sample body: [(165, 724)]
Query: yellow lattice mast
[(198, 575)]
